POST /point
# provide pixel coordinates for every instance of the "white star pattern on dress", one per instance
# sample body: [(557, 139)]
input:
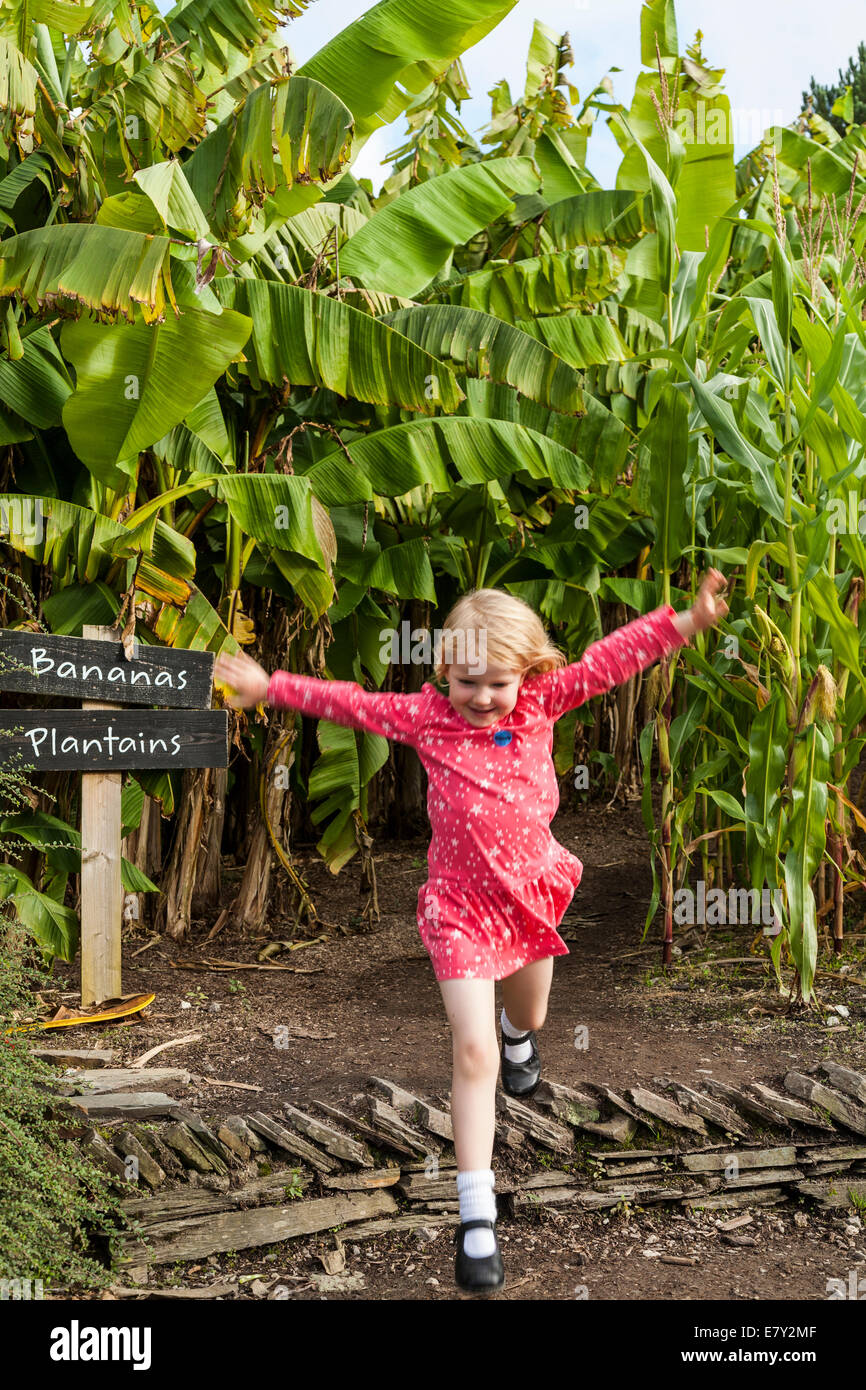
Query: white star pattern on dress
[(498, 881)]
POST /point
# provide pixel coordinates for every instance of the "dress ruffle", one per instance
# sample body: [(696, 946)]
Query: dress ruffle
[(488, 931)]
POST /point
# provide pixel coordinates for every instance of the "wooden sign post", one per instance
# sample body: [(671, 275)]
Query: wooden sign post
[(101, 887), (101, 740)]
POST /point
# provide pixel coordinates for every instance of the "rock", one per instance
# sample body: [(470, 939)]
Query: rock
[(844, 1079), (553, 1136), (577, 1108), (239, 1127), (187, 1147), (340, 1145), (849, 1114), (787, 1109), (127, 1105), (149, 1170), (745, 1158), (665, 1110), (75, 1057), (742, 1100), (358, 1182), (618, 1130), (93, 1146), (392, 1126), (233, 1141), (283, 1138), (240, 1230), (222, 1158), (104, 1079), (719, 1115)]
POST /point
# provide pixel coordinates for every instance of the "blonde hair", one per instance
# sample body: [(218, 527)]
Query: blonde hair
[(514, 634)]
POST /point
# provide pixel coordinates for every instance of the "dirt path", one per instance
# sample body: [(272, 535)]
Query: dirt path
[(372, 1006)]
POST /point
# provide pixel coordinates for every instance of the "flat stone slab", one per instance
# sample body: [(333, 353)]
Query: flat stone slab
[(131, 1105), (841, 1107), (337, 1144), (722, 1116), (833, 1192), (742, 1100), (98, 1080), (665, 1110), (789, 1109), (77, 1057), (784, 1157), (844, 1079)]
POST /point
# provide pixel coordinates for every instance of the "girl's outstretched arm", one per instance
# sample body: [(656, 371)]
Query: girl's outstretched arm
[(631, 648), (387, 713), (608, 662)]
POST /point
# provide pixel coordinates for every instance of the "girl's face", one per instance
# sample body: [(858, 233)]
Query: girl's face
[(483, 699)]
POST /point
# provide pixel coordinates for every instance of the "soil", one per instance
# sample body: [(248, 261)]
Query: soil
[(371, 1003)]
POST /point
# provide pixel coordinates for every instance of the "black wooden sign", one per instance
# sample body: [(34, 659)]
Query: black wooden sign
[(87, 670), (95, 740)]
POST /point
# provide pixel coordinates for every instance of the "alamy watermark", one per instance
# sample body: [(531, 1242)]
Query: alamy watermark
[(20, 1289), (419, 646), (21, 518), (709, 124), (715, 908)]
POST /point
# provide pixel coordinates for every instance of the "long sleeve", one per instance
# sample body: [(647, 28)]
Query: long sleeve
[(608, 662), (393, 715)]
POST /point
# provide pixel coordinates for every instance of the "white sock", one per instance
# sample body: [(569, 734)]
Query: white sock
[(475, 1191), (523, 1051)]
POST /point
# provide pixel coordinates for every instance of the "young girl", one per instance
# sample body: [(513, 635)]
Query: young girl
[(499, 883)]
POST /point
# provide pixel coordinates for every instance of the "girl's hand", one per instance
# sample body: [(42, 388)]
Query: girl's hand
[(245, 676), (707, 609)]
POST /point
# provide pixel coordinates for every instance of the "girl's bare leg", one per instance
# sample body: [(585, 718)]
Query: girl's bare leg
[(525, 994), (470, 1006)]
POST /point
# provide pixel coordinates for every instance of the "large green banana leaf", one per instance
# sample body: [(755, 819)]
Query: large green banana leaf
[(54, 926), (110, 269), (310, 339), (284, 136), (402, 247), (597, 437), (581, 340), (214, 29), (396, 49), (485, 346), (167, 188), (62, 845), (162, 97), (80, 546), (603, 215), (36, 385), (139, 380), (538, 285), (277, 509), (405, 456)]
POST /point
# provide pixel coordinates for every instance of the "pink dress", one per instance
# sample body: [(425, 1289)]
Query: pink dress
[(499, 883)]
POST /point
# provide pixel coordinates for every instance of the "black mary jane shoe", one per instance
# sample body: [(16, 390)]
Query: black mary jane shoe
[(520, 1079), (482, 1274)]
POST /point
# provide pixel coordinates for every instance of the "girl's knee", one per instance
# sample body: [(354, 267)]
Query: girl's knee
[(476, 1055), (530, 1018)]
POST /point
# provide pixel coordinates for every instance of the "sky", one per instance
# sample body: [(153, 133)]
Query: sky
[(768, 48)]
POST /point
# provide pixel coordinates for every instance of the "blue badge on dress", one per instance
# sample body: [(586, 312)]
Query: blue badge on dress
[(502, 737)]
